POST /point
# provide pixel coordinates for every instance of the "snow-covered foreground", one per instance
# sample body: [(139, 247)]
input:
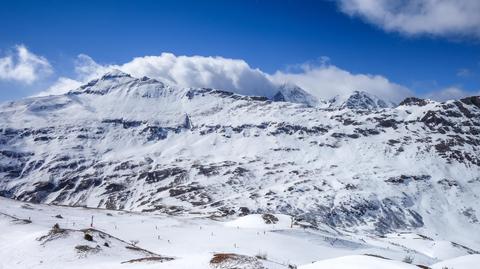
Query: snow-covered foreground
[(145, 240)]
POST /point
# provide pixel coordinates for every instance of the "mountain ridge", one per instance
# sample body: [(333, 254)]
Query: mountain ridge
[(137, 144)]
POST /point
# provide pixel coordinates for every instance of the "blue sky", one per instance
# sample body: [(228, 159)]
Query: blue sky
[(273, 36)]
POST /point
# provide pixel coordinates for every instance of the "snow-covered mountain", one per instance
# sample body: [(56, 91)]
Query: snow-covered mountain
[(294, 94), (359, 100), (119, 142)]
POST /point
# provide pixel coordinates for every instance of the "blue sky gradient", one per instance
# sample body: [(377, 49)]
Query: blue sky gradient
[(269, 35)]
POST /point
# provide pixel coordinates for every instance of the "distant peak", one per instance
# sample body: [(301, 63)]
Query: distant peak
[(289, 86), (115, 73), (292, 93), (360, 100), (361, 93)]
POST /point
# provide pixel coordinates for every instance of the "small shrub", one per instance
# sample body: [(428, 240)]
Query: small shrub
[(269, 218)]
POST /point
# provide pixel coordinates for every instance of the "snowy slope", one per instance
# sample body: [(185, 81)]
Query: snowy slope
[(358, 262), (463, 262), (294, 94), (120, 142), (152, 240)]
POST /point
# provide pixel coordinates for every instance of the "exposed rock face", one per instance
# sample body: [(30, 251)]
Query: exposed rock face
[(358, 100), (413, 101), (125, 143), (472, 100)]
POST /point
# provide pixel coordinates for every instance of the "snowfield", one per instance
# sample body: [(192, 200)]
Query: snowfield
[(256, 221), (148, 240), (463, 262), (358, 262)]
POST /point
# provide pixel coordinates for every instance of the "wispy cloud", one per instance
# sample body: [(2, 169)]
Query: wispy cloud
[(448, 18), (450, 93), (326, 80), (61, 86), (184, 71), (464, 72), (321, 78), (199, 71), (23, 66)]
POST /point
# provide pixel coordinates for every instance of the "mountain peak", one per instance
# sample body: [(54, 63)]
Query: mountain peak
[(361, 100), (289, 92), (115, 73), (115, 81)]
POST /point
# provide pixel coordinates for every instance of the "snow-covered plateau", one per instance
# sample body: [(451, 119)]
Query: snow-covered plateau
[(203, 178)]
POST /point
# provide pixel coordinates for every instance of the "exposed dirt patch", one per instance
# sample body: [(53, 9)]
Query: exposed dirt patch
[(84, 250), (235, 261)]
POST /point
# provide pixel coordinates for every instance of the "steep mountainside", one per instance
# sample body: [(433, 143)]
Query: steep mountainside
[(294, 94), (125, 143), (359, 100)]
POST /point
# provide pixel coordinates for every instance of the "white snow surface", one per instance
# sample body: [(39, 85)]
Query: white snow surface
[(256, 221), (463, 262), (358, 262), (191, 240)]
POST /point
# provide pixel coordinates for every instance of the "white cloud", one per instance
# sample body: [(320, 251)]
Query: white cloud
[(61, 86), (186, 71), (23, 66), (455, 18), (325, 81), (87, 69), (464, 72), (321, 79), (450, 93), (198, 71)]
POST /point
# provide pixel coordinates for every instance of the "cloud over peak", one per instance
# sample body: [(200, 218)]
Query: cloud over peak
[(23, 66), (447, 18), (322, 80), (326, 80), (200, 71)]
